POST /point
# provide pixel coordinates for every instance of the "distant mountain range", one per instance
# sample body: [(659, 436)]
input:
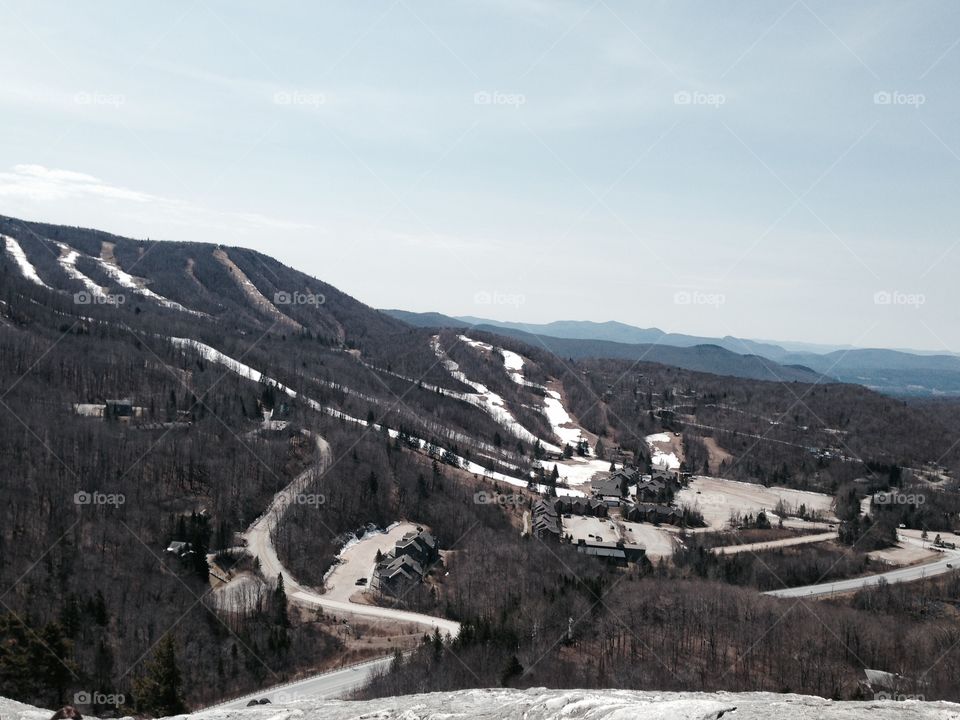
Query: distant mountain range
[(894, 372)]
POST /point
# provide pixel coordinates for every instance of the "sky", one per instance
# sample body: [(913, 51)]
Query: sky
[(779, 170)]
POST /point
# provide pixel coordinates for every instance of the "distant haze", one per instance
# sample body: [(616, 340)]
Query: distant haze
[(775, 170)]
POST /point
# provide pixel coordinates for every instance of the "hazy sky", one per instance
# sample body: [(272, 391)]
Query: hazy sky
[(783, 170)]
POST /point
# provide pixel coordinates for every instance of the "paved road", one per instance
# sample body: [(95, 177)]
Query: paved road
[(947, 562), (333, 684), (260, 545)]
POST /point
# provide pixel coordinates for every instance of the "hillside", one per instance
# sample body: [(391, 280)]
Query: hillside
[(158, 393), (894, 372), (657, 348)]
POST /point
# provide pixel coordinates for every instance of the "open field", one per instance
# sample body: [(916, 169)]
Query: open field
[(718, 499)]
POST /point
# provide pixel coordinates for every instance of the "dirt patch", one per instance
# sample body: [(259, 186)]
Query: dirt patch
[(716, 455), (257, 298)]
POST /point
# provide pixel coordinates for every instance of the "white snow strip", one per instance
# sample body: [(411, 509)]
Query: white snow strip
[(68, 261), (560, 419), (128, 281), (573, 471), (245, 371), (512, 362), (20, 258), (485, 398)]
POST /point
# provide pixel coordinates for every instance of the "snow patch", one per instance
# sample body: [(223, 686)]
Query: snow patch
[(659, 458), (560, 419), (245, 371), (68, 261), (20, 258), (486, 399), (128, 281)]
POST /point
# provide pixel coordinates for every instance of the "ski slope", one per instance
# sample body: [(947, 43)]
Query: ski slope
[(20, 258)]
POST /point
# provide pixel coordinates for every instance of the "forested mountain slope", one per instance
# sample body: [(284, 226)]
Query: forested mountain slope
[(227, 363)]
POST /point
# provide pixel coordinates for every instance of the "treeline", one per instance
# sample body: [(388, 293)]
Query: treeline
[(91, 505), (537, 615), (772, 569), (804, 436), (379, 480)]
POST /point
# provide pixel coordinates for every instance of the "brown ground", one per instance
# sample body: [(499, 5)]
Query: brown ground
[(716, 454)]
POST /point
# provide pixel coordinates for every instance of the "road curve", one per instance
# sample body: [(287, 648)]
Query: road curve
[(946, 563), (260, 545), (332, 684)]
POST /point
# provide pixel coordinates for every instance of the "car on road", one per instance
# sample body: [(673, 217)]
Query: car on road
[(361, 581)]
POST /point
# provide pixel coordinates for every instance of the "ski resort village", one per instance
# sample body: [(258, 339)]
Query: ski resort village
[(412, 508)]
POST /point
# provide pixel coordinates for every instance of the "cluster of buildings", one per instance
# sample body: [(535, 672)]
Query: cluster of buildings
[(411, 560), (640, 498), (651, 513), (547, 522), (628, 484)]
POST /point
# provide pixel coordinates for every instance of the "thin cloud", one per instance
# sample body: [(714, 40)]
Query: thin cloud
[(40, 184)]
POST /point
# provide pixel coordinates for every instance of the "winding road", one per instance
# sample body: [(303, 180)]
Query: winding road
[(260, 545), (333, 684), (948, 562)]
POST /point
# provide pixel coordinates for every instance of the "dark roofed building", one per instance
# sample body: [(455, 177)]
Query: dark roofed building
[(615, 552), (420, 545), (408, 564), (545, 521), (651, 513)]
